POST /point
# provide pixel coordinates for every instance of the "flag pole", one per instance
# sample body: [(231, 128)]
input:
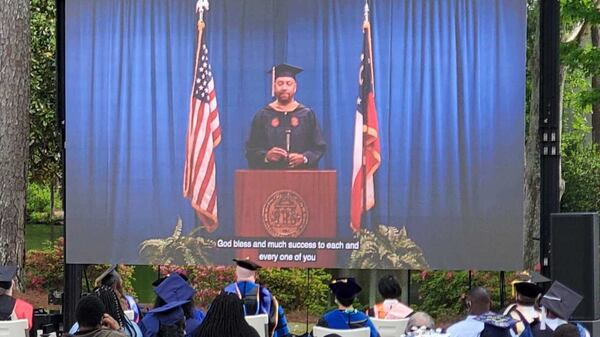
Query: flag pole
[(366, 30)]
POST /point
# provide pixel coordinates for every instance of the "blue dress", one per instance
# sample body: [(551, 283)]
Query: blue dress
[(347, 319)]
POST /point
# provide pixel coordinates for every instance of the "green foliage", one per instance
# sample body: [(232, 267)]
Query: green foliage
[(289, 285), (581, 171), (44, 269), (440, 292), (38, 198), (207, 280), (294, 292), (45, 165), (38, 203)]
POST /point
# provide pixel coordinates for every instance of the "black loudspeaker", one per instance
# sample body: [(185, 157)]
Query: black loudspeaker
[(574, 260)]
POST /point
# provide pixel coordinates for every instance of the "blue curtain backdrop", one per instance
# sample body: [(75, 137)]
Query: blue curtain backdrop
[(449, 86)]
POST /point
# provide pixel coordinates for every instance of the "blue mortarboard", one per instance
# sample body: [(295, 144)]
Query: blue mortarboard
[(167, 314), (7, 273), (285, 70), (561, 300), (160, 280), (528, 289), (174, 288), (345, 288)]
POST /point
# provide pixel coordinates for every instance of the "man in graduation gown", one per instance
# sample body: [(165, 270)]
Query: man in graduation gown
[(285, 134), (558, 304), (481, 322), (12, 308), (524, 311), (345, 316), (257, 300)]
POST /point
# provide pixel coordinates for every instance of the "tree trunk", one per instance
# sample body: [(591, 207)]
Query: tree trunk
[(14, 127), (595, 34), (531, 204)]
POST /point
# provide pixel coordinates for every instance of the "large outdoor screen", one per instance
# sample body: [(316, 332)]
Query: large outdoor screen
[(167, 141)]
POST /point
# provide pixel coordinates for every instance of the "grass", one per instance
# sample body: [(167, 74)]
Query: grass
[(37, 234)]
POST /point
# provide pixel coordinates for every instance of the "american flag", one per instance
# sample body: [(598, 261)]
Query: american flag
[(203, 136), (366, 157)]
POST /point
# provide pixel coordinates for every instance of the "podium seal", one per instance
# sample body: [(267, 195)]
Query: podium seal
[(284, 214)]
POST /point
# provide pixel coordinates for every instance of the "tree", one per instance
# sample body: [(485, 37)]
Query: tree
[(14, 127), (576, 16)]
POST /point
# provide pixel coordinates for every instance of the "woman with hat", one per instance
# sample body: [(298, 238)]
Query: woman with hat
[(345, 316)]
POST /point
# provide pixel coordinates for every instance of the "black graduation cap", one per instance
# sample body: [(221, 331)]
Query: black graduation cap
[(528, 289), (345, 288), (538, 278), (285, 70), (104, 277), (7, 273), (247, 264), (561, 300)]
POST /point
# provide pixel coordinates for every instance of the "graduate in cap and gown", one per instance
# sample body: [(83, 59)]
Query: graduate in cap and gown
[(345, 316), (172, 292), (481, 322), (257, 300), (524, 310), (285, 134), (558, 304), (12, 308)]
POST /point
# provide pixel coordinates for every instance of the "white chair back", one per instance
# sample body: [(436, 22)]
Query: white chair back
[(319, 331), (390, 327), (260, 323), (130, 314), (16, 328)]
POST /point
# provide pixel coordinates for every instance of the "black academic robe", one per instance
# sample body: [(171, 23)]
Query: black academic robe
[(269, 129)]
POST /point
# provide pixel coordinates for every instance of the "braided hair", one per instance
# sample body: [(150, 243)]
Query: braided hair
[(113, 307), (225, 317), (172, 330)]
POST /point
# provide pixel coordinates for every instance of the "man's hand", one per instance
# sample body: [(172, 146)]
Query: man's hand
[(295, 159), (110, 322), (276, 154)]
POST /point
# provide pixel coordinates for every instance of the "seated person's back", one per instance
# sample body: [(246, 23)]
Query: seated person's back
[(12, 308), (345, 316)]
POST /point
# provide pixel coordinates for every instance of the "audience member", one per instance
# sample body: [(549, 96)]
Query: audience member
[(93, 319), (165, 321), (193, 315), (566, 330), (391, 307), (481, 322), (114, 309), (256, 298), (12, 308), (345, 316), (420, 320), (558, 304), (524, 310), (111, 278), (173, 303), (225, 317)]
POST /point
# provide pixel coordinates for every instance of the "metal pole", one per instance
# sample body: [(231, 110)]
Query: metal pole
[(549, 123)]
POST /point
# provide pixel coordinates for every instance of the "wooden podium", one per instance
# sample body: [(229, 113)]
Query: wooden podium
[(278, 209)]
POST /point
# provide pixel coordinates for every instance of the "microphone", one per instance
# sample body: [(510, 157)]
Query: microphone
[(288, 139)]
